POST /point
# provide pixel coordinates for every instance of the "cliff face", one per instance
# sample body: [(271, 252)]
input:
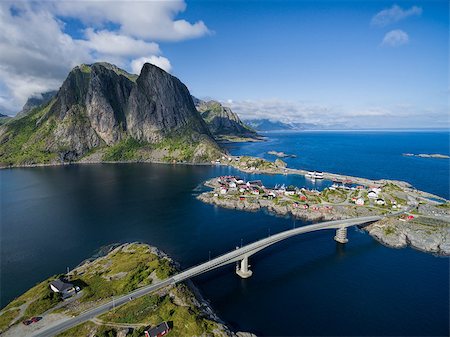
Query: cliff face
[(159, 105), (222, 121), (101, 107)]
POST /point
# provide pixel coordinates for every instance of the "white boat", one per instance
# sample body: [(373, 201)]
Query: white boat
[(314, 175)]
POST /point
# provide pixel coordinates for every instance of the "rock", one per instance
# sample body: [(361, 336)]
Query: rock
[(35, 101), (100, 105), (222, 121)]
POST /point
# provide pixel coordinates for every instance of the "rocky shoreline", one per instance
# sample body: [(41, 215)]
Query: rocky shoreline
[(107, 263), (425, 226)]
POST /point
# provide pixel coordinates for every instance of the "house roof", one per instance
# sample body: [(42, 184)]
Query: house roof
[(61, 285), (160, 328)]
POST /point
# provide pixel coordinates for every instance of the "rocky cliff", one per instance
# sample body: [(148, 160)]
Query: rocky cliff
[(222, 122), (103, 113), (35, 101)]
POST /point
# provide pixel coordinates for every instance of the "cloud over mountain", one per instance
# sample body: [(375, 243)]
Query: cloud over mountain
[(40, 45)]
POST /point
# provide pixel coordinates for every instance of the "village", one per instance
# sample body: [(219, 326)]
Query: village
[(416, 218), (341, 200)]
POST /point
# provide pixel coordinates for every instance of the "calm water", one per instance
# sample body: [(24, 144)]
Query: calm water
[(370, 154), (52, 218)]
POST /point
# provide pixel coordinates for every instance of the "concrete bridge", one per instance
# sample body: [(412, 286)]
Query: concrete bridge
[(239, 255), (242, 254)]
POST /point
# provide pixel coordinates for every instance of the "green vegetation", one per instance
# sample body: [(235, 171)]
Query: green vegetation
[(85, 68), (125, 150), (187, 319), (127, 271), (389, 230), (444, 205), (7, 317), (27, 139), (84, 329), (43, 303)]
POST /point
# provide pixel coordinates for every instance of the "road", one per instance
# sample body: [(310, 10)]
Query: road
[(222, 260)]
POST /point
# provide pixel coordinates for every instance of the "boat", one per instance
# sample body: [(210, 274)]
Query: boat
[(314, 175)]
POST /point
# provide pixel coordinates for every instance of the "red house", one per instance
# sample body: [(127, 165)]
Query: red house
[(161, 329)]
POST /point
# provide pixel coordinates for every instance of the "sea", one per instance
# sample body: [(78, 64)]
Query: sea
[(55, 217)]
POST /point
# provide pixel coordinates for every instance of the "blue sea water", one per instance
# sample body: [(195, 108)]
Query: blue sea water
[(368, 154), (54, 217)]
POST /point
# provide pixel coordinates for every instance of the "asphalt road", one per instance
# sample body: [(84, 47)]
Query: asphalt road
[(230, 257)]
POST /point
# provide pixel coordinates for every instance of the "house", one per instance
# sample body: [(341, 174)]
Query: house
[(255, 191), (289, 192), (303, 198), (242, 198), (359, 201), (372, 194), (63, 287), (255, 183), (158, 331), (380, 202), (223, 190)]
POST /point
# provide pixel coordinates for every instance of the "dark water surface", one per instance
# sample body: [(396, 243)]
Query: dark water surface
[(368, 154), (52, 218)]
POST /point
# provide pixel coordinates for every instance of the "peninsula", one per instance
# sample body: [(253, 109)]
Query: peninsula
[(119, 270)]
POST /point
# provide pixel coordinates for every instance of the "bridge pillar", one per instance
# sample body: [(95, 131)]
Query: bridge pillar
[(341, 235), (242, 268)]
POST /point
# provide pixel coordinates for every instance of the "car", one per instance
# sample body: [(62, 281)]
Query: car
[(32, 320)]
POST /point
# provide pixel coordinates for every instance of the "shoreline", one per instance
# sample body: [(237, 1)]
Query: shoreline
[(104, 257), (278, 171)]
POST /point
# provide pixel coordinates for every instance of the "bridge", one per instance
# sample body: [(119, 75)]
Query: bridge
[(240, 256)]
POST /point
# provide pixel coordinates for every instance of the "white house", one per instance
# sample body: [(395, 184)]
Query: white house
[(359, 201), (372, 194), (380, 201)]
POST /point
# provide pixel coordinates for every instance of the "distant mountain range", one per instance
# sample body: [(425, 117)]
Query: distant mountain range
[(265, 124)]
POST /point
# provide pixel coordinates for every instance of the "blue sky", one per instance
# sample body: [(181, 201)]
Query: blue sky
[(355, 63)]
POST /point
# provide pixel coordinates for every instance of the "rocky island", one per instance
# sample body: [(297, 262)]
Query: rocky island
[(426, 155), (118, 270), (414, 219)]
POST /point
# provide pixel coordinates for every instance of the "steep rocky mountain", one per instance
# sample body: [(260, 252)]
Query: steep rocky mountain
[(269, 125), (102, 113), (36, 101), (222, 122)]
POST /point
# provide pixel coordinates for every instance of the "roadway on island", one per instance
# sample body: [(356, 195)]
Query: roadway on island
[(222, 260)]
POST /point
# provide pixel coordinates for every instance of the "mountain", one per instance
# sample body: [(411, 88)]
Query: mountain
[(102, 113), (4, 118), (269, 125), (36, 101), (222, 122)]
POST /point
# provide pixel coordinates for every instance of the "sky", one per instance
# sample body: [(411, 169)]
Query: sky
[(355, 64)]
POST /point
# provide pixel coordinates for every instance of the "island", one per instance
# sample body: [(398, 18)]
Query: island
[(426, 155), (281, 154), (412, 217), (117, 270)]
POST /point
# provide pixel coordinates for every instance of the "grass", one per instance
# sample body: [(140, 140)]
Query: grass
[(25, 141), (187, 320), (7, 317), (389, 230), (125, 150), (43, 303), (84, 329)]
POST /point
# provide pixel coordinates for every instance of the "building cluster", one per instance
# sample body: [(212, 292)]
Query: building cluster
[(234, 184)]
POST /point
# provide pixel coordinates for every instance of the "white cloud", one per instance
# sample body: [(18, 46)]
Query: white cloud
[(332, 116), (159, 61), (110, 43), (395, 38), (144, 19), (394, 14), (36, 52)]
